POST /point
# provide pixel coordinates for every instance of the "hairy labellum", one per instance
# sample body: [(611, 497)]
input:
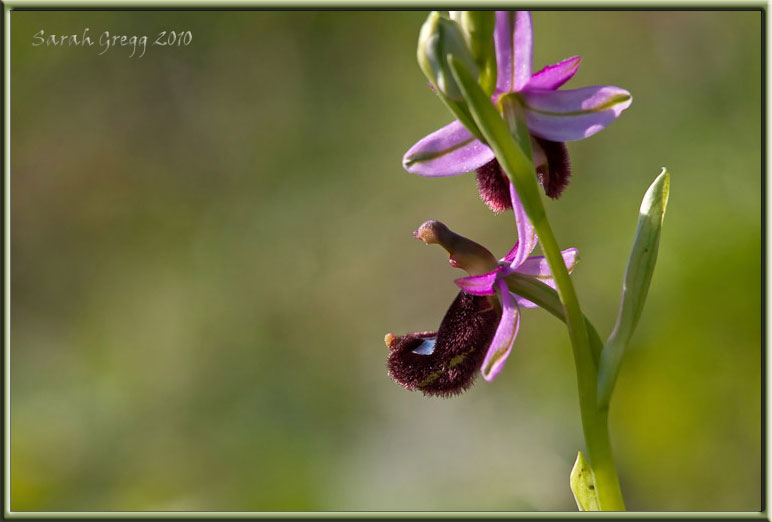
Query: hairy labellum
[(553, 167), (493, 186), (445, 362), (555, 171)]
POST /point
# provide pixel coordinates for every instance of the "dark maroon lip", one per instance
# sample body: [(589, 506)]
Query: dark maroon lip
[(554, 176), (453, 362), (493, 186)]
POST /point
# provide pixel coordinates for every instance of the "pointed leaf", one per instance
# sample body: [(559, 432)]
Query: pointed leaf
[(640, 267), (583, 485)]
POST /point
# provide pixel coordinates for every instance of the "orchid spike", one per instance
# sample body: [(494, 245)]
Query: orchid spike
[(552, 116)]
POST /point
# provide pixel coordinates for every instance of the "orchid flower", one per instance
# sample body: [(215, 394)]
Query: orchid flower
[(478, 331), (552, 116)]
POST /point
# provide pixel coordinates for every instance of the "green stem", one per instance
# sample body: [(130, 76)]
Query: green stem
[(518, 166), (594, 421)]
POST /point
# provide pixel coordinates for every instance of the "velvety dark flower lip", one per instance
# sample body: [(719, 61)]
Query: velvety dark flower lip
[(493, 186), (552, 115), (445, 362), (555, 169)]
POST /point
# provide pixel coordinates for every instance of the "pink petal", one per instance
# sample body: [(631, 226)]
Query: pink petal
[(522, 302), (512, 253), (513, 39), (505, 335), (449, 151), (526, 235), (537, 266), (573, 114), (553, 76), (479, 285)]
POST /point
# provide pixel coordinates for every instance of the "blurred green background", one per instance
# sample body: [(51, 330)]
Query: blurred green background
[(210, 242)]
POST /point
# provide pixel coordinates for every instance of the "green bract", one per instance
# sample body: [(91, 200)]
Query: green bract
[(640, 267), (583, 485)]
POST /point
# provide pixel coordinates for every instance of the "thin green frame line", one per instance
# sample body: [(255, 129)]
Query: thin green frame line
[(441, 515), (393, 4), (7, 257)]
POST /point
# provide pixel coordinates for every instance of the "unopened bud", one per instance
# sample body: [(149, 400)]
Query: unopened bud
[(477, 28), (439, 38)]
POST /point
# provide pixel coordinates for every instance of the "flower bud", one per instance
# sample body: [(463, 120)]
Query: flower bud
[(440, 37), (477, 28)]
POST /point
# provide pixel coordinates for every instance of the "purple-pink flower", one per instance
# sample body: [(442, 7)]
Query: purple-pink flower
[(476, 334), (553, 117)]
